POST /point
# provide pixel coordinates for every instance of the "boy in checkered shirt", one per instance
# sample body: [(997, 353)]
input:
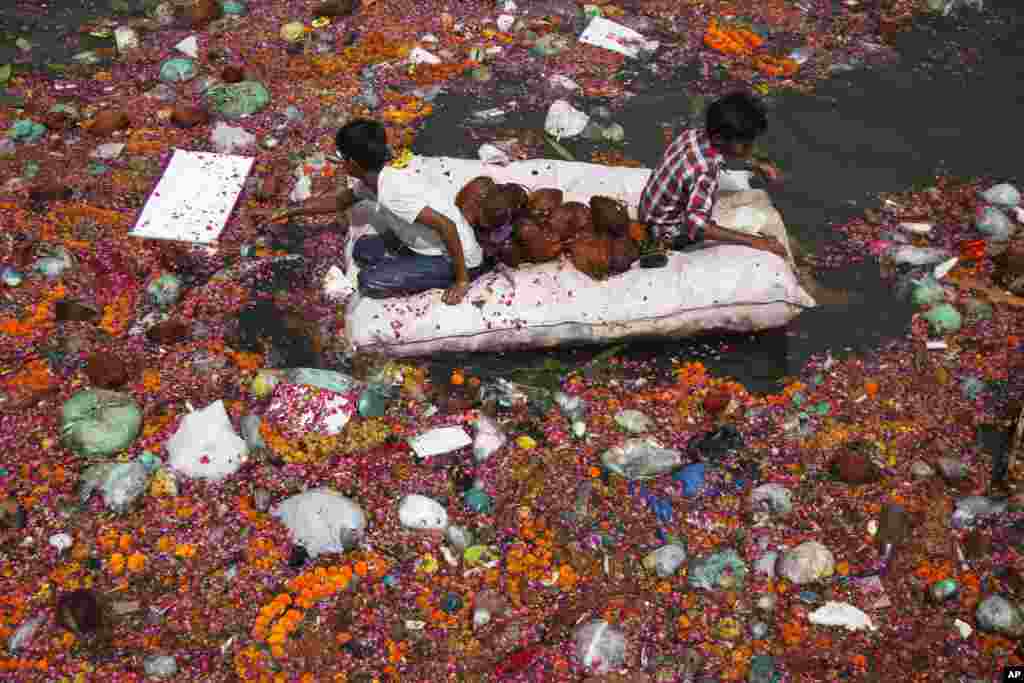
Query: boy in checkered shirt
[(676, 202)]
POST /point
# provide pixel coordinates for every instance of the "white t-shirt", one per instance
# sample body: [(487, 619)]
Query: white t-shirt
[(405, 195)]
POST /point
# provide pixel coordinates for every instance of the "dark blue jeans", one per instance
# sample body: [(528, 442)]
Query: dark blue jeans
[(388, 268)]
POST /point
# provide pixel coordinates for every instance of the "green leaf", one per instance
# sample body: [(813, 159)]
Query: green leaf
[(5, 73)]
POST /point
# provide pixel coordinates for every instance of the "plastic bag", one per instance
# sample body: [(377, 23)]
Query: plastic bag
[(489, 438), (97, 422), (235, 100), (123, 485), (841, 614), (927, 291), (997, 614), (806, 563), (322, 521), (909, 255), (665, 560), (943, 319), (723, 569), (1002, 195), (641, 459), (178, 70), (992, 222), (564, 120), (600, 647), (160, 666), (230, 139), (420, 512), (772, 498), (205, 446)]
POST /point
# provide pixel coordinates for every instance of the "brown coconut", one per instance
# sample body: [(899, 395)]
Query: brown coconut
[(540, 244), (58, 120), (202, 12), (610, 216), (106, 371), (475, 190), (232, 74), (624, 254), (335, 8), (542, 202), (518, 196), (80, 611), (187, 116), (511, 254), (591, 254), (107, 121), (501, 206)]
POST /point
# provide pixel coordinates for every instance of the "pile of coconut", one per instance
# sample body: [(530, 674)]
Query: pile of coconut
[(516, 227)]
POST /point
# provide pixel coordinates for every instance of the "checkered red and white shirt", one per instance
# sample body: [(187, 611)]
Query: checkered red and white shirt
[(681, 191)]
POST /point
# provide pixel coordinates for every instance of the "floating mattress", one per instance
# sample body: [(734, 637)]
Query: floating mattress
[(717, 288)]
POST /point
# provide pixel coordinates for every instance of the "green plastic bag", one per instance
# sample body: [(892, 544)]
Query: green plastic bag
[(178, 70), (943, 319), (235, 8), (97, 422), (928, 291), (235, 100)]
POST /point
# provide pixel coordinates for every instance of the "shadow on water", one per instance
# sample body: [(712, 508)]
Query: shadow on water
[(861, 133)]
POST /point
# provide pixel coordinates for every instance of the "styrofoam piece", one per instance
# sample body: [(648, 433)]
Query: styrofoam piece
[(194, 197)]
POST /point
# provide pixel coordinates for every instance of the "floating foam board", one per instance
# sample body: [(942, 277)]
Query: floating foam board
[(194, 198), (615, 37)]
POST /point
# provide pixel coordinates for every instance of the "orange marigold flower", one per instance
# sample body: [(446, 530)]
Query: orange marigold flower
[(136, 562)]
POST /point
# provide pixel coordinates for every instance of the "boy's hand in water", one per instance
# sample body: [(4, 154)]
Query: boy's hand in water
[(769, 171)]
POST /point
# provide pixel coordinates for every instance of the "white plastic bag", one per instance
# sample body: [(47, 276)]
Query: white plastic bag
[(206, 445), (489, 438), (1003, 195), (229, 139), (322, 521), (600, 647), (422, 513), (564, 120), (992, 222), (841, 614)]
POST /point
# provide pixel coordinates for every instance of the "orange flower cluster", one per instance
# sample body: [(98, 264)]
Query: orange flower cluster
[(245, 360), (776, 66), (39, 319), (151, 380), (428, 74), (310, 588), (35, 376), (410, 110), (732, 41), (12, 611), (692, 374), (310, 448), (117, 315), (793, 633), (18, 664)]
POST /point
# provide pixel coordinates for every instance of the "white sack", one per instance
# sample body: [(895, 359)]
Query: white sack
[(564, 120), (724, 288), (322, 521), (206, 445)]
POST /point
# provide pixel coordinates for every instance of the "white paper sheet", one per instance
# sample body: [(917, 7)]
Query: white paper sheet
[(439, 441), (616, 37), (194, 198)]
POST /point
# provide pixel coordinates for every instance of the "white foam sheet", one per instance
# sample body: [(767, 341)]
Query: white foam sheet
[(194, 198), (719, 288), (616, 37)]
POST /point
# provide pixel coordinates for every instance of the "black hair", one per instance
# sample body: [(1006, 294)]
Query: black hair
[(364, 142), (736, 117)]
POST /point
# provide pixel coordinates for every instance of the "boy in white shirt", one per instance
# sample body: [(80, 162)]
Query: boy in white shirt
[(422, 242)]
